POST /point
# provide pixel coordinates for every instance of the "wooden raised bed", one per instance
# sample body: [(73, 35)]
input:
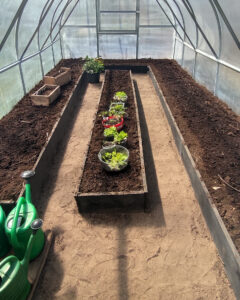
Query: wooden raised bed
[(108, 190), (61, 127)]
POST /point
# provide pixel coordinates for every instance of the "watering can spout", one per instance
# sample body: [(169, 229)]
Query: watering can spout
[(27, 175)]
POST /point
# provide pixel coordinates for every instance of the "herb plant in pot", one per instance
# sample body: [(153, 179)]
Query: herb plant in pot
[(117, 110), (109, 133), (120, 138), (93, 67), (113, 137), (114, 159)]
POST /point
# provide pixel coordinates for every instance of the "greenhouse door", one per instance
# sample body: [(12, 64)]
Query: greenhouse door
[(117, 28)]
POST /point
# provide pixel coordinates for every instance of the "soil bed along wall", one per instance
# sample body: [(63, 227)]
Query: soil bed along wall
[(94, 178), (212, 132), (25, 130)]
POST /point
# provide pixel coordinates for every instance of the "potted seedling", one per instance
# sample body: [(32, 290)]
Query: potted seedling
[(117, 105), (120, 138), (93, 67), (113, 137), (45, 95), (115, 121), (117, 110), (114, 159), (120, 96), (59, 77), (104, 114), (109, 133)]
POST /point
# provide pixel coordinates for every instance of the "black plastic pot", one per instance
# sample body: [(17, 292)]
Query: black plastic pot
[(93, 77)]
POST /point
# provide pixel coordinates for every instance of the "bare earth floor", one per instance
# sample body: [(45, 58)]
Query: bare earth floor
[(166, 253)]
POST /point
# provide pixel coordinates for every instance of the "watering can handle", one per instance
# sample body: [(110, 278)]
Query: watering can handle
[(8, 259), (14, 239)]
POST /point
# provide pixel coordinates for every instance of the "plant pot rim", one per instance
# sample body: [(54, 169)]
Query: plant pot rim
[(110, 149), (118, 125)]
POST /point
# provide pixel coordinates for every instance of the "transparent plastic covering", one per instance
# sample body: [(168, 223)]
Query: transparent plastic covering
[(202, 36)]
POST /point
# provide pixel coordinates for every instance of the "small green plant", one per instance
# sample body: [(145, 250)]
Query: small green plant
[(114, 112), (113, 121), (117, 107), (120, 95), (93, 65), (115, 159), (120, 137), (111, 131), (104, 114), (117, 110)]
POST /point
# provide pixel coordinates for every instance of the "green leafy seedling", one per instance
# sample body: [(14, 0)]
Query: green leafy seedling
[(121, 136), (112, 131), (115, 159)]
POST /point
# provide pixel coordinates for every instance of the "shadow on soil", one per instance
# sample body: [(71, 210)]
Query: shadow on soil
[(54, 267)]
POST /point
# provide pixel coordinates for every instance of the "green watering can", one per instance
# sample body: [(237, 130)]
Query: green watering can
[(19, 220), (4, 244), (14, 284)]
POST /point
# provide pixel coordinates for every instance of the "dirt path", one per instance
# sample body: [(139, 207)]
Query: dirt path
[(166, 253)]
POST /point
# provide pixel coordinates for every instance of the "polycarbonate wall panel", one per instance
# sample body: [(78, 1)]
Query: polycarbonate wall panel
[(9, 9), (189, 58), (79, 42), (117, 21), (57, 51), (31, 72), (228, 87), (52, 21), (205, 71), (117, 46), (117, 5), (206, 19), (155, 42), (47, 60), (188, 23), (27, 25), (8, 53), (83, 14), (178, 52), (177, 16), (151, 13), (231, 10), (10, 90), (230, 52)]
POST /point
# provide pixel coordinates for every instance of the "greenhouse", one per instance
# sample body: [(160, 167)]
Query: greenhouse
[(119, 149)]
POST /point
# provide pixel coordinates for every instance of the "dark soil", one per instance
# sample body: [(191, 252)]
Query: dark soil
[(94, 178), (24, 131)]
